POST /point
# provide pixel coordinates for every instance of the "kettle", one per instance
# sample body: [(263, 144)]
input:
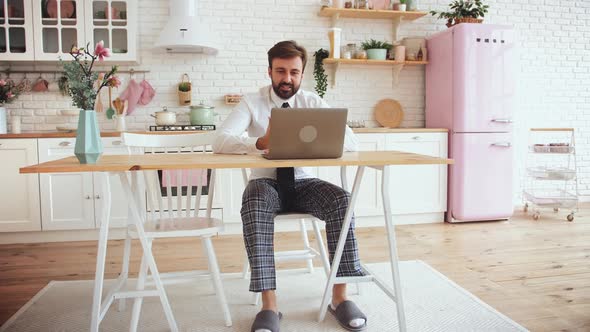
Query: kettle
[(202, 114)]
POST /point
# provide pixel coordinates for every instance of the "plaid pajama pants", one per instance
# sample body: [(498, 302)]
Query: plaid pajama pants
[(260, 205)]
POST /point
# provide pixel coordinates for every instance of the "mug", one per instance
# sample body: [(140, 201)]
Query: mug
[(119, 122)]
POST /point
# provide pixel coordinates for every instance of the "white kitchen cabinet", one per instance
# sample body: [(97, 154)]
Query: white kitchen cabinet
[(16, 30), (19, 193), (30, 30), (415, 190), (113, 22), (418, 188), (73, 200)]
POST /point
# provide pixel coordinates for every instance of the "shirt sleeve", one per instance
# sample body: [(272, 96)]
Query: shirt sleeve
[(351, 142), (231, 138)]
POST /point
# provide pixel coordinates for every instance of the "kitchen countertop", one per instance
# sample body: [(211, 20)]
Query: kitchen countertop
[(59, 134)]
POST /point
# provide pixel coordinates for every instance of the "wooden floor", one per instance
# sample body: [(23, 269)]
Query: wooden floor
[(537, 273)]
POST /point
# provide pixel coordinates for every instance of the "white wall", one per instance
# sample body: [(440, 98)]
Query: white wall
[(554, 79)]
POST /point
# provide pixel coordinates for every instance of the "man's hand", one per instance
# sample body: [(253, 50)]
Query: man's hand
[(263, 142)]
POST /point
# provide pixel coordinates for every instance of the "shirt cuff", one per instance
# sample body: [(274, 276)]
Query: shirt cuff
[(251, 144)]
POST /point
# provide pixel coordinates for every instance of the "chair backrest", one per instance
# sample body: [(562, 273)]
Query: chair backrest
[(182, 189)]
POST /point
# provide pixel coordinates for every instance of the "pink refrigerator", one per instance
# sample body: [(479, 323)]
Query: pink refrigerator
[(470, 91)]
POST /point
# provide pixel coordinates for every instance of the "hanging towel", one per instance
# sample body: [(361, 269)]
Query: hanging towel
[(147, 93), (198, 177), (132, 94)]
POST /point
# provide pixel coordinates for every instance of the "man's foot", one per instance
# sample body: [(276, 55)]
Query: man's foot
[(267, 321), (348, 315)]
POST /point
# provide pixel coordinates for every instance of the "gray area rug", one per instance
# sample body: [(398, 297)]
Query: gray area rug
[(432, 303)]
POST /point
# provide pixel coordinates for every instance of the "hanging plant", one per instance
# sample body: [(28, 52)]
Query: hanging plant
[(321, 79)]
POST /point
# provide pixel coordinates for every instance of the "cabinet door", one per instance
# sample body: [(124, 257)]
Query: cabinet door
[(19, 193), (369, 201), (58, 25), (115, 23), (418, 188), (16, 30), (120, 202), (67, 199)]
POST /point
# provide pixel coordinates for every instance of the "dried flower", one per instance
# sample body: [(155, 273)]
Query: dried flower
[(84, 84), (8, 91)]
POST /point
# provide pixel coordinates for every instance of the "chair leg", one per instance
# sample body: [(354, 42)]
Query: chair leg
[(246, 268), (321, 246), (216, 278), (125, 267), (143, 271), (306, 243)]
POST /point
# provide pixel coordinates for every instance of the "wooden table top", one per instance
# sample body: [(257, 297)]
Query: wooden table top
[(118, 163)]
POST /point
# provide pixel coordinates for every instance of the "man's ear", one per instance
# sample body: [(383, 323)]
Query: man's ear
[(269, 71)]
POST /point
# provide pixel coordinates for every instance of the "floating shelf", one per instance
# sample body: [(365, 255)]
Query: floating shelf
[(397, 65), (394, 15)]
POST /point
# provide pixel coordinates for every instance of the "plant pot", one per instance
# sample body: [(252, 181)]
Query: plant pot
[(88, 147), (184, 97), (376, 54)]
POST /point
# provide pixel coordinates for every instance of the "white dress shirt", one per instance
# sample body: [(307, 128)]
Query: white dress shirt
[(251, 117)]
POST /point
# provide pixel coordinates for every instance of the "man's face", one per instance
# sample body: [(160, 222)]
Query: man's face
[(286, 75)]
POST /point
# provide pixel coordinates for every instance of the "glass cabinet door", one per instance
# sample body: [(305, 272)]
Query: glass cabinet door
[(16, 33), (115, 23), (59, 25)]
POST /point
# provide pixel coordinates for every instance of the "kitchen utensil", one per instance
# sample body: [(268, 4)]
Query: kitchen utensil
[(389, 113), (164, 117), (118, 104), (202, 114), (98, 107), (110, 110)]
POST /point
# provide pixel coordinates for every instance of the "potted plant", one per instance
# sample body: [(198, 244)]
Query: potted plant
[(184, 91), (376, 50), (321, 79), (401, 6), (463, 11)]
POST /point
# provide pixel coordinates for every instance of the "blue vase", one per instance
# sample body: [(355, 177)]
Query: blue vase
[(88, 144), (376, 53)]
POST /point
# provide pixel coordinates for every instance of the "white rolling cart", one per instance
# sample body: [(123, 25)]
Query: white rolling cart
[(551, 172)]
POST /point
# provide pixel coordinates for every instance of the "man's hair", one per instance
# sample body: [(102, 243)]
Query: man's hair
[(285, 50)]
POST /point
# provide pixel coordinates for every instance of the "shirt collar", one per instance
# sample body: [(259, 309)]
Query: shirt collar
[(278, 101)]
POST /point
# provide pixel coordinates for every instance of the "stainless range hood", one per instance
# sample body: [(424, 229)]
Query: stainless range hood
[(184, 32)]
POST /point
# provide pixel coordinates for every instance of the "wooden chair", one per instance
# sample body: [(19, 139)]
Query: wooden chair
[(170, 215)]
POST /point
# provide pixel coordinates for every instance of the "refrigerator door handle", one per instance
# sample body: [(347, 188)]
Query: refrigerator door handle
[(502, 120), (502, 144)]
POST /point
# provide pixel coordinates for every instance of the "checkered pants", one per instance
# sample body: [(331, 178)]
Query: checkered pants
[(260, 205)]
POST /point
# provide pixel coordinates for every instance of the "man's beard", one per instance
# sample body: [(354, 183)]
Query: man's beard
[(285, 94)]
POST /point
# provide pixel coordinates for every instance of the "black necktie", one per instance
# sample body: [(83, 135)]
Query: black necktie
[(286, 182)]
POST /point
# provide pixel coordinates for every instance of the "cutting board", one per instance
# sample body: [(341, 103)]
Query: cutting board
[(389, 113)]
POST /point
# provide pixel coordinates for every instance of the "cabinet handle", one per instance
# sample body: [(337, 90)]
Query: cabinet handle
[(65, 143), (502, 120), (502, 144), (416, 138), (117, 143), (88, 197), (97, 196)]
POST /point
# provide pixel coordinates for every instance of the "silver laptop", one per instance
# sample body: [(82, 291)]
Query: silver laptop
[(306, 133)]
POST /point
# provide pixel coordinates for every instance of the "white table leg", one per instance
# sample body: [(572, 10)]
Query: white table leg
[(101, 256), (393, 249), (341, 242)]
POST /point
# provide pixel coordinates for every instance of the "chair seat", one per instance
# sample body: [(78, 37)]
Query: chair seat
[(183, 226)]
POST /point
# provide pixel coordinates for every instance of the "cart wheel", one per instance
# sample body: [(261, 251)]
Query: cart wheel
[(526, 207), (536, 215), (570, 217), (555, 209)]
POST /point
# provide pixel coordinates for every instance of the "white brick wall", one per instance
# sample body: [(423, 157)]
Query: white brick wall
[(554, 54)]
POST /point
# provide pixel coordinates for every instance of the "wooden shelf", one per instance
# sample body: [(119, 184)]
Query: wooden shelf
[(396, 65), (373, 62), (370, 13)]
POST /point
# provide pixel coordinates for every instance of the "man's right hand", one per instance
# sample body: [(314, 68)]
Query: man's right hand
[(263, 142)]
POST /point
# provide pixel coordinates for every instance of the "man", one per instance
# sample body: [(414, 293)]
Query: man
[(265, 196)]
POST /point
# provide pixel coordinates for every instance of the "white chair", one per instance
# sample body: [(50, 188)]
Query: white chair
[(170, 216), (308, 253)]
